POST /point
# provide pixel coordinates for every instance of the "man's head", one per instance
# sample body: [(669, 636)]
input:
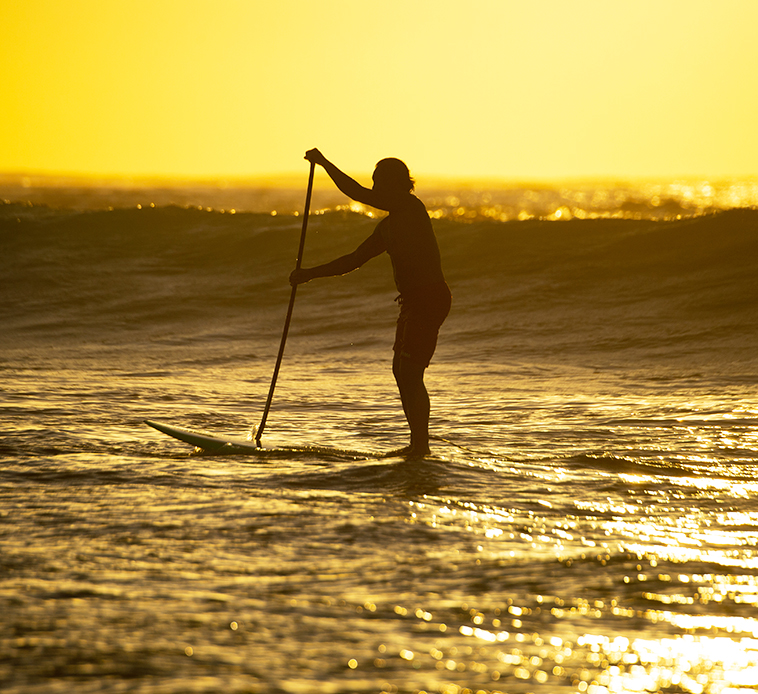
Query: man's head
[(392, 175)]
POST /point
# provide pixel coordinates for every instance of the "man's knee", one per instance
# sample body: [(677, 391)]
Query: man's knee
[(397, 368), (406, 371)]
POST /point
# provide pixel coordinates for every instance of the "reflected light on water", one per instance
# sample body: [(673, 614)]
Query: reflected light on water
[(651, 200), (691, 664), (657, 539), (604, 664)]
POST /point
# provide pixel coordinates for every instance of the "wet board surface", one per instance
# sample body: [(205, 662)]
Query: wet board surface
[(211, 443), (204, 440)]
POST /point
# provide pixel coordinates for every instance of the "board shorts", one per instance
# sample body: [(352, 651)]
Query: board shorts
[(421, 315)]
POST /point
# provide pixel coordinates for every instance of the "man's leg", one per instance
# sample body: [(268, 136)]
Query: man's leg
[(409, 376)]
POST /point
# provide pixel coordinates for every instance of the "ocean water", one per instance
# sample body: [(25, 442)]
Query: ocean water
[(587, 521)]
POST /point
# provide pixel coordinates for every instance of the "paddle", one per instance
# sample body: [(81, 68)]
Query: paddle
[(287, 320)]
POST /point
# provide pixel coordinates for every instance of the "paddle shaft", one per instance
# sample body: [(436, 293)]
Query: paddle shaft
[(287, 320)]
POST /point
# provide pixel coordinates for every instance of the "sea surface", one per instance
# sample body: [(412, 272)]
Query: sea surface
[(587, 521)]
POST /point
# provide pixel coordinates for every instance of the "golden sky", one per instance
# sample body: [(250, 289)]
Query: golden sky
[(515, 89)]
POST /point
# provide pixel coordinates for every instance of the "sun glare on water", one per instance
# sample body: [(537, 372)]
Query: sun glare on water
[(677, 645)]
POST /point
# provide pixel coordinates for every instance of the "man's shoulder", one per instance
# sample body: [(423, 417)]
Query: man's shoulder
[(408, 205), (415, 202)]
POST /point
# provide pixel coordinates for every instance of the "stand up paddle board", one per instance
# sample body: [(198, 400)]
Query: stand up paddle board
[(227, 445), (205, 441)]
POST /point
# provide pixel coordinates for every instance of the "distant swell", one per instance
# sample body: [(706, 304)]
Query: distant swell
[(582, 286)]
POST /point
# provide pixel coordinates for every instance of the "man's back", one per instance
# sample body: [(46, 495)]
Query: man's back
[(409, 238)]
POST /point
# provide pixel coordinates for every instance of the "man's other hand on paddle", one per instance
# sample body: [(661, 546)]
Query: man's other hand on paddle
[(300, 276)]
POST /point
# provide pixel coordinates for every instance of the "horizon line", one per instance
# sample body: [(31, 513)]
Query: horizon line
[(32, 179)]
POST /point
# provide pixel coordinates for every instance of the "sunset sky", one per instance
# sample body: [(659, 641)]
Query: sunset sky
[(527, 89)]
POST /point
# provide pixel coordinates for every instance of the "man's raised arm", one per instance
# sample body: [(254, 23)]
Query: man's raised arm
[(347, 185)]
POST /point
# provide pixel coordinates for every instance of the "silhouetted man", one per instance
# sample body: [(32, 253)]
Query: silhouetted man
[(407, 235)]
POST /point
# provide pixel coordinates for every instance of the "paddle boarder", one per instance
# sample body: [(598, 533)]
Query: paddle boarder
[(406, 234)]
